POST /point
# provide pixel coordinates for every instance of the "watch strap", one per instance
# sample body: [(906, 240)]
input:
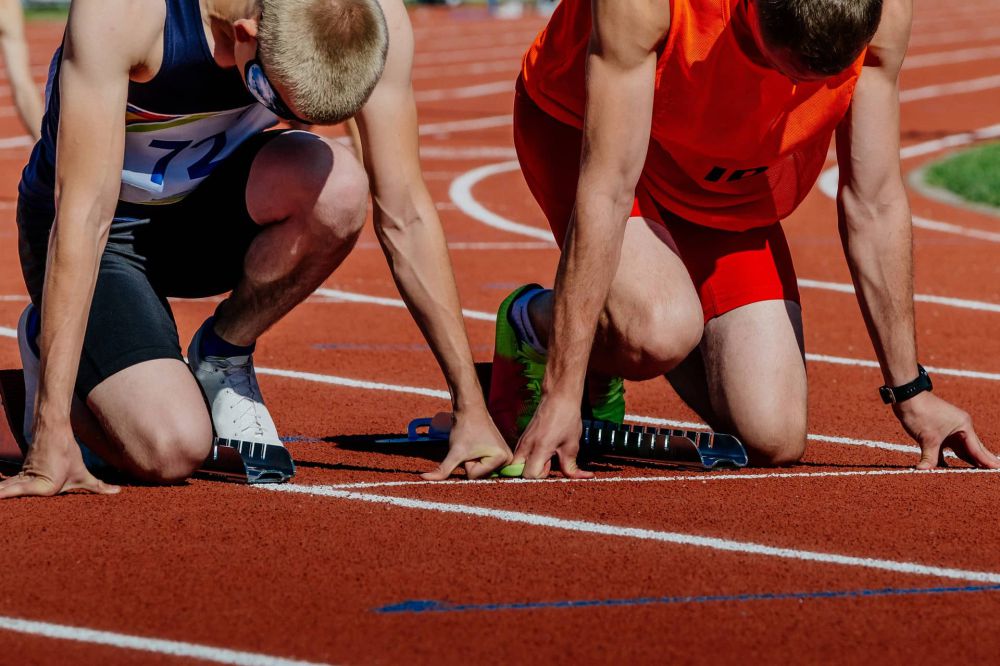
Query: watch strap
[(895, 394)]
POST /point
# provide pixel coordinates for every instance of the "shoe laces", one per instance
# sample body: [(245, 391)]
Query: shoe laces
[(241, 378)]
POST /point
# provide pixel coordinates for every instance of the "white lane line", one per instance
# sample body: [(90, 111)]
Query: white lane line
[(145, 644), (513, 245), (23, 141), (465, 92), (958, 230), (467, 125), (353, 297), (676, 538), (467, 153), (353, 383), (955, 88), (950, 57), (962, 303), (510, 67), (680, 478), (866, 363), (470, 56), (954, 36)]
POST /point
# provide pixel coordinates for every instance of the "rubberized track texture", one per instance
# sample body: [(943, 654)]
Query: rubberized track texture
[(848, 557)]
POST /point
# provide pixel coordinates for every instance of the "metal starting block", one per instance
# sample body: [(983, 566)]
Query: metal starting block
[(684, 448), (249, 462)]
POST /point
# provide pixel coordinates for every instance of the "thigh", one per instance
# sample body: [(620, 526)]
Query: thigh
[(196, 247), (732, 269), (129, 324), (549, 155), (755, 371)]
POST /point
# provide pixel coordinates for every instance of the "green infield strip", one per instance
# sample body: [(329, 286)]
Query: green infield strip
[(973, 175)]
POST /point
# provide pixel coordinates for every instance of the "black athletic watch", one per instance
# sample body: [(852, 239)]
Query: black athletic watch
[(892, 395)]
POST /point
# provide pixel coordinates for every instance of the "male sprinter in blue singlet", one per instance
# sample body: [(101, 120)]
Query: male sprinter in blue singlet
[(166, 184)]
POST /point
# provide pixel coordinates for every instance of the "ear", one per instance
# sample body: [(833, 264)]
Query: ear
[(245, 30)]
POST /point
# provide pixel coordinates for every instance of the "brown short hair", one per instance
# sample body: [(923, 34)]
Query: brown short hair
[(825, 36), (328, 54)]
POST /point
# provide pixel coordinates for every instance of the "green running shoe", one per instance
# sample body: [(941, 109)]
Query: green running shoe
[(516, 384)]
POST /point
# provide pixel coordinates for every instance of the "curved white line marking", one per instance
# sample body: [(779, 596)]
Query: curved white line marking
[(461, 193)]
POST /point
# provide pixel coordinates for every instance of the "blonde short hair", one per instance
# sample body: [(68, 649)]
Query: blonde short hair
[(328, 54)]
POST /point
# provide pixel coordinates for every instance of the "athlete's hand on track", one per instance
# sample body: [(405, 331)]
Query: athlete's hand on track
[(475, 442), (54, 465), (938, 425), (555, 430)]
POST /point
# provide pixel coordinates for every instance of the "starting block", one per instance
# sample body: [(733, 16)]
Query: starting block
[(245, 462), (249, 462), (681, 448), (684, 448)]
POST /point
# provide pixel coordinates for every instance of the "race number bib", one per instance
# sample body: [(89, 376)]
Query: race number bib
[(167, 156)]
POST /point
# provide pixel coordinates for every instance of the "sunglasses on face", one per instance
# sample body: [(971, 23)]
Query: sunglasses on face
[(263, 90)]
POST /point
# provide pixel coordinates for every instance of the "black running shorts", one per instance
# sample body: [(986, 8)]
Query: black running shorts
[(191, 249)]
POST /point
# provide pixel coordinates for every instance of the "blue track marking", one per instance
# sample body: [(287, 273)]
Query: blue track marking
[(431, 606)]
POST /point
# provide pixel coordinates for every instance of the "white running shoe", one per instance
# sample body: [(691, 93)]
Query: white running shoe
[(32, 364), (233, 395)]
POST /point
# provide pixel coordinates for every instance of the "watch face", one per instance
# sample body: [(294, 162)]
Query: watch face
[(888, 397)]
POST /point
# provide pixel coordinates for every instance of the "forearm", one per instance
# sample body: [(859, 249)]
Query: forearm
[(878, 246), (415, 247), (27, 98), (71, 272), (589, 262)]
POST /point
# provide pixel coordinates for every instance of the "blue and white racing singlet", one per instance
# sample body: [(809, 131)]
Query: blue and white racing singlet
[(179, 126)]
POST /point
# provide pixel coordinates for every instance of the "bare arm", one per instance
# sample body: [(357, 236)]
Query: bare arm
[(621, 66), (14, 46), (105, 41), (875, 225), (409, 230)]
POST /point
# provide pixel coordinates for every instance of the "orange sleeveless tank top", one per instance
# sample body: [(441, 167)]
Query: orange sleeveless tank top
[(734, 145)]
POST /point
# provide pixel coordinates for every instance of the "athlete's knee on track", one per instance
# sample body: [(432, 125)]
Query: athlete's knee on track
[(655, 339), (775, 440), (172, 450)]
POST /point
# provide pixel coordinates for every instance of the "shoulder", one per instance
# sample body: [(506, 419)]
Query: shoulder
[(122, 30), (888, 47)]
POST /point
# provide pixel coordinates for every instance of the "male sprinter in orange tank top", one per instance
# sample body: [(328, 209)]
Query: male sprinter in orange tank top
[(701, 124)]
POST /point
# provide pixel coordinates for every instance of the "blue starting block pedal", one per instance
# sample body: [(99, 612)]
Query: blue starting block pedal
[(424, 431)]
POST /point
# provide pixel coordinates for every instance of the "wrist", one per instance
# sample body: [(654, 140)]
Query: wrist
[(909, 390)]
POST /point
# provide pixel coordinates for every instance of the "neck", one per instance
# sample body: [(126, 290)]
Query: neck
[(218, 17)]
